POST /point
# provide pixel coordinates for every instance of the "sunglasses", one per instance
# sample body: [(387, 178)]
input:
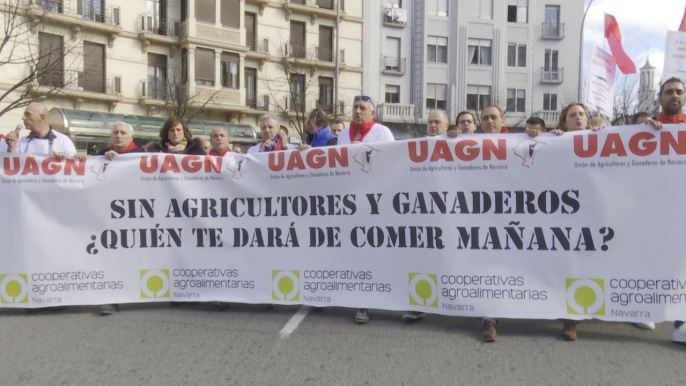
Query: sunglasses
[(466, 121), (362, 98)]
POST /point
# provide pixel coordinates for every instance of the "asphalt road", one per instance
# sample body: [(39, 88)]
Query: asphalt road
[(197, 344)]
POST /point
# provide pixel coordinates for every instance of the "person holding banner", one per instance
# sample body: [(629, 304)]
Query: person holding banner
[(363, 129), (465, 123), (175, 138), (437, 124), (671, 98), (337, 126), (43, 139), (219, 139), (273, 139), (318, 132), (121, 140), (574, 117)]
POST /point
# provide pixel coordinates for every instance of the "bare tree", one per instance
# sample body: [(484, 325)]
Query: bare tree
[(630, 99), (36, 61), (296, 89), (182, 99)]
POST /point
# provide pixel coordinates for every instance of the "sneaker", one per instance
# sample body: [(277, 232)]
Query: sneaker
[(361, 316), (221, 305), (679, 334), (645, 325), (488, 331), (108, 309), (569, 330), (413, 316)]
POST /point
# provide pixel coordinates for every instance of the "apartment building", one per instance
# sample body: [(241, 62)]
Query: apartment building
[(521, 55), (226, 61)]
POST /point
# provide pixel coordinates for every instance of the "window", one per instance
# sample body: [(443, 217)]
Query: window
[(157, 76), (230, 17), (326, 4), (51, 61), (517, 11), (394, 3), (325, 94), (550, 102), (551, 27), (435, 96), (93, 76), (250, 30), (516, 55), (392, 94), (437, 49), (204, 67), (325, 52), (297, 44), (480, 52), (478, 97), (251, 87), (205, 11), (437, 7), (50, 5), (481, 8), (516, 100), (91, 10), (229, 70), (551, 71), (297, 92)]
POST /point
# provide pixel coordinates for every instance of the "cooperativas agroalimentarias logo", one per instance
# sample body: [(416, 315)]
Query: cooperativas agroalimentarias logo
[(586, 297), (423, 289), (154, 283), (14, 288)]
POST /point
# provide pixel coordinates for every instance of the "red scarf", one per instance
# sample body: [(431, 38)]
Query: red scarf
[(678, 118), (212, 152), (358, 132), (127, 149), (504, 130)]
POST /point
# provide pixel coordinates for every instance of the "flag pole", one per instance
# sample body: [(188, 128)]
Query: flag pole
[(581, 51)]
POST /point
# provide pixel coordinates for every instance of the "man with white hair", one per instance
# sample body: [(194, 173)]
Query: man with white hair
[(272, 138), (43, 139), (121, 140), (219, 139)]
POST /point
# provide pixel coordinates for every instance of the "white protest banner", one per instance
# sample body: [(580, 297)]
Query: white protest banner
[(584, 225), (600, 90), (675, 56)]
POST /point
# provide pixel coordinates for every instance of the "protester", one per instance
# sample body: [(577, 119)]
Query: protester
[(437, 124), (536, 126), (219, 140), (363, 129), (175, 138), (574, 117), (337, 126), (42, 139), (672, 98), (237, 149), (465, 123), (153, 147), (273, 139), (205, 144), (492, 121), (640, 118), (318, 132), (599, 123)]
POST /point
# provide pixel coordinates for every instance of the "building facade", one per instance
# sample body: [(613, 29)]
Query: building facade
[(521, 55), (215, 60)]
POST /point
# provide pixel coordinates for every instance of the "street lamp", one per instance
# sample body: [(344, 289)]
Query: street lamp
[(581, 51)]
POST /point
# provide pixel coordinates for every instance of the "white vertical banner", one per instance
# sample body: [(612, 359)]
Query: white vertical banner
[(675, 56), (600, 88)]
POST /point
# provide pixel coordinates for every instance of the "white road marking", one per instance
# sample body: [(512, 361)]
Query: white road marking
[(294, 322)]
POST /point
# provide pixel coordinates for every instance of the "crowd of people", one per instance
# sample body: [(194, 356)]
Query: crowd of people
[(175, 138)]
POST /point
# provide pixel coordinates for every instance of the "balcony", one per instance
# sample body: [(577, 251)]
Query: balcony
[(551, 118), (313, 56), (80, 86), (553, 31), (259, 49), (552, 76), (314, 8), (211, 98), (259, 103), (393, 65), (395, 17), (96, 19), (228, 38), (164, 32), (395, 112)]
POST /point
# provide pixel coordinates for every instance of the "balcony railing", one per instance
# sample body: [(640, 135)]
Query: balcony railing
[(324, 4), (311, 52), (154, 89), (260, 102), (395, 17), (552, 76), (152, 25), (94, 11), (81, 81), (554, 31), (394, 65), (549, 117), (396, 112), (259, 44)]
